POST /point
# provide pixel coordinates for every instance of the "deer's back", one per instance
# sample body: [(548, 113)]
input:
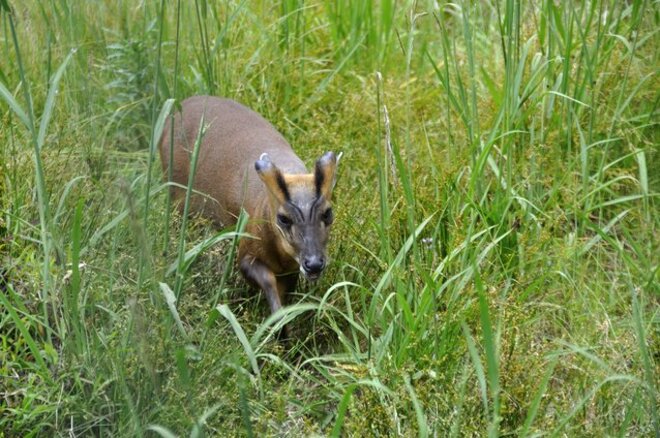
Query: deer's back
[(234, 139)]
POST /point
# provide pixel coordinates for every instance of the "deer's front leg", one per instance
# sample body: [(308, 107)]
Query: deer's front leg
[(259, 275), (286, 284)]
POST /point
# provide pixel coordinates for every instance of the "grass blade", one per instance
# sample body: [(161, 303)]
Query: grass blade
[(422, 425), (492, 359), (240, 334), (346, 398), (536, 402), (25, 332), (170, 299), (650, 368), (53, 91), (14, 105)]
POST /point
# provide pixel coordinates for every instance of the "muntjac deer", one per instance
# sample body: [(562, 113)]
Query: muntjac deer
[(244, 162)]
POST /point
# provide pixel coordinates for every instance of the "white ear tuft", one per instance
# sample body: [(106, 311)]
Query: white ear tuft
[(265, 157)]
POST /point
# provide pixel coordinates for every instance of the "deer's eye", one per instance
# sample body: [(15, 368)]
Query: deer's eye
[(284, 221), (327, 217)]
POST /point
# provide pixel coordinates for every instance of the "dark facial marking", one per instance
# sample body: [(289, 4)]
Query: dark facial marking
[(314, 204), (296, 211), (282, 185), (319, 177), (327, 216)]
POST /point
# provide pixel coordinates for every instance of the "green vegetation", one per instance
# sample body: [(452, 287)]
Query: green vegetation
[(496, 247)]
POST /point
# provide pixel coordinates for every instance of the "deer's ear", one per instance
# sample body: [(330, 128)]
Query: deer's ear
[(325, 174), (272, 178)]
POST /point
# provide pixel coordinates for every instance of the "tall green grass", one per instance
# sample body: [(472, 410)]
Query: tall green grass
[(495, 250)]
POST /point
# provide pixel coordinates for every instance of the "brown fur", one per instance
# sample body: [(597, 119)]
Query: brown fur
[(232, 173)]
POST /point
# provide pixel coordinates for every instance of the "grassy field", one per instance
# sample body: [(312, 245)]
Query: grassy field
[(496, 246)]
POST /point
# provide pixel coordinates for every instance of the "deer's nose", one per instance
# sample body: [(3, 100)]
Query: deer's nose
[(313, 265)]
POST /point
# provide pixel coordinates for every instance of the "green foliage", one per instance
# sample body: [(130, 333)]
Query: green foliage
[(495, 251)]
